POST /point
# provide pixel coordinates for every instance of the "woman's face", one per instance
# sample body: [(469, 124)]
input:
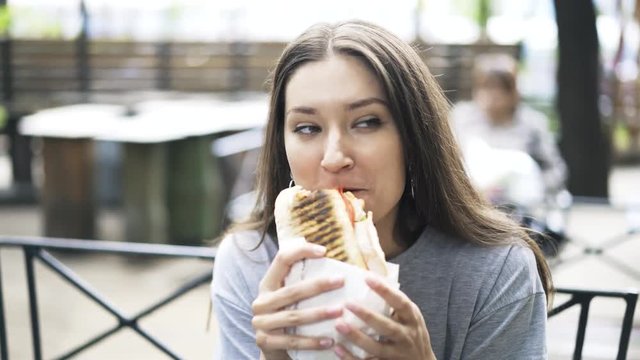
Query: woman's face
[(339, 133)]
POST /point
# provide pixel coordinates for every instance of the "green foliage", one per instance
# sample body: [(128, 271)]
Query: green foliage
[(478, 10), (4, 116), (484, 11), (5, 19), (621, 137), (465, 7), (32, 22), (175, 11), (40, 24)]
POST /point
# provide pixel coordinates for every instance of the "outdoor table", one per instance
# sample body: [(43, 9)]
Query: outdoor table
[(67, 197), (173, 189), (173, 186)]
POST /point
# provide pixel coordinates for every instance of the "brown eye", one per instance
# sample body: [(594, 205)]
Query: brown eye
[(368, 123), (306, 129)]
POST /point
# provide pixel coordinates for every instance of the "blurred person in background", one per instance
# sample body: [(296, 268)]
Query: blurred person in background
[(496, 116)]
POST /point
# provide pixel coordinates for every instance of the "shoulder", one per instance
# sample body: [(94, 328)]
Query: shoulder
[(496, 274), (509, 312), (242, 259), (248, 244), (513, 278)]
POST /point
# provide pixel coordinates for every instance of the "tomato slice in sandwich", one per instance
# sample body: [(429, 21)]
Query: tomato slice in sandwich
[(350, 211)]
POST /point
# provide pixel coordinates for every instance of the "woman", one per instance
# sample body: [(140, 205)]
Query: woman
[(353, 106)]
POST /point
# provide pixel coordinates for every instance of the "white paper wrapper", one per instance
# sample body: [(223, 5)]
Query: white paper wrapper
[(355, 289)]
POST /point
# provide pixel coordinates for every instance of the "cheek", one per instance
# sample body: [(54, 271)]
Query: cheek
[(390, 174), (302, 167), (299, 169), (396, 179)]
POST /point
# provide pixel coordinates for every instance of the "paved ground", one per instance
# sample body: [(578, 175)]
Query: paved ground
[(131, 283)]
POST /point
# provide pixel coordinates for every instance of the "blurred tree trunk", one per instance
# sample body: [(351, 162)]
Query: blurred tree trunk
[(585, 141)]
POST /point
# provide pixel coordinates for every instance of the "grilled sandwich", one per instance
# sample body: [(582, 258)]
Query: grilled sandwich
[(333, 219)]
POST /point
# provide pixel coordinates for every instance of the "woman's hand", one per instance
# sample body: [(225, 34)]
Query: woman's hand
[(270, 314), (404, 334)]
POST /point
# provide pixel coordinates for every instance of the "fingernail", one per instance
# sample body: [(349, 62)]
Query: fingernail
[(373, 281), (326, 343), (319, 249), (336, 280), (339, 351), (343, 328), (353, 307), (334, 310)]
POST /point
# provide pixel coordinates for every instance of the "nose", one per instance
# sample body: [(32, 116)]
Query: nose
[(336, 155)]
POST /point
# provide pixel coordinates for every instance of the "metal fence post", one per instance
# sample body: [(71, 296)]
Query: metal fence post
[(585, 303), (4, 349), (627, 324), (29, 254)]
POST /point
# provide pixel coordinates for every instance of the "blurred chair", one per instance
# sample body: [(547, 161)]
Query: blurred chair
[(583, 299)]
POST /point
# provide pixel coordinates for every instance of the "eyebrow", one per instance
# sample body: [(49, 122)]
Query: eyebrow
[(352, 106), (366, 101), (302, 110)]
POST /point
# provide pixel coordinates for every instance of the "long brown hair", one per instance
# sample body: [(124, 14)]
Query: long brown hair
[(443, 195)]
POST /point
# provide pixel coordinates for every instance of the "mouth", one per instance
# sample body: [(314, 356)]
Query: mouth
[(349, 189), (355, 191)]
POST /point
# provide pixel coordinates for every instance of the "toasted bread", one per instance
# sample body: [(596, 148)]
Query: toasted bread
[(322, 217)]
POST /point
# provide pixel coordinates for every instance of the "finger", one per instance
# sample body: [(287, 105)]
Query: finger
[(283, 297), (382, 324), (343, 353), (399, 302), (284, 259), (269, 342), (362, 340), (291, 318)]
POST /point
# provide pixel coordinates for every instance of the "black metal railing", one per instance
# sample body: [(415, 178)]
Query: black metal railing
[(583, 299), (37, 249)]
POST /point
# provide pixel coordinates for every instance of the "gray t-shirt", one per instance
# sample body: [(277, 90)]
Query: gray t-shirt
[(478, 302)]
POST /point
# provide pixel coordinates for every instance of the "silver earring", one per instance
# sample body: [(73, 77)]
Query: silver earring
[(292, 183), (411, 184), (413, 192)]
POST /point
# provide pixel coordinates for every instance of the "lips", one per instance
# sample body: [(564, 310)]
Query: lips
[(352, 189), (355, 189), (356, 192)]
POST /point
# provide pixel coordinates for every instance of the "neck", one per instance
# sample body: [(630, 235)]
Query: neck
[(389, 236)]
